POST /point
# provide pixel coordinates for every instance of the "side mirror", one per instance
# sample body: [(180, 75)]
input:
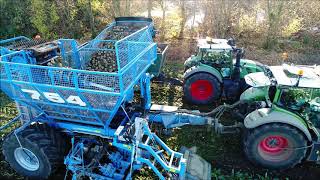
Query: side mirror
[(231, 42)]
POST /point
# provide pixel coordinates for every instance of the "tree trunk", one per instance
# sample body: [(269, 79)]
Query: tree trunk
[(162, 37), (116, 8), (149, 8), (193, 19), (91, 20), (274, 17), (184, 18), (66, 19), (163, 8), (127, 13)]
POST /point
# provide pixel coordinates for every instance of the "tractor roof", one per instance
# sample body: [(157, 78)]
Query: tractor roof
[(215, 44), (288, 75)]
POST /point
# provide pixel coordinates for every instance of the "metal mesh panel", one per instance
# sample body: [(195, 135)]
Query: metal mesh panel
[(16, 57), (70, 55), (107, 102), (63, 78), (17, 93), (18, 72), (130, 47), (99, 82), (15, 43), (23, 44), (133, 72), (100, 93), (3, 74), (103, 115), (40, 75), (98, 59)]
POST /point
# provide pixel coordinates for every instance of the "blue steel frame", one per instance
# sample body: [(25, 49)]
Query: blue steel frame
[(12, 40), (15, 76), (180, 170), (4, 43), (156, 150)]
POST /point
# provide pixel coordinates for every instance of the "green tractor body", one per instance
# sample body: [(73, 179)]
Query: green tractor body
[(213, 73), (286, 130)]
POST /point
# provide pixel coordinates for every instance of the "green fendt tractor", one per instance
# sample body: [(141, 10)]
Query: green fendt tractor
[(284, 131), (213, 74)]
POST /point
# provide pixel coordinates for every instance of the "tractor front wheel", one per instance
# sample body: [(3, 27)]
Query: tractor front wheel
[(41, 151), (201, 88), (275, 146)]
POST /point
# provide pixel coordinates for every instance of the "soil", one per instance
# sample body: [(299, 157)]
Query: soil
[(224, 152)]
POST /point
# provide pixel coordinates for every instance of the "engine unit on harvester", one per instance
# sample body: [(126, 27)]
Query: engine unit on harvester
[(83, 93)]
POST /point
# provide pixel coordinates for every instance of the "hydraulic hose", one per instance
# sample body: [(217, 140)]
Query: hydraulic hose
[(214, 111)]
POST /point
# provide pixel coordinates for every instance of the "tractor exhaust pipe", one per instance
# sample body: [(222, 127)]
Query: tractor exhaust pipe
[(236, 72)]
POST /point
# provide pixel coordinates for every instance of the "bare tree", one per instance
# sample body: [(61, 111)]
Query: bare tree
[(149, 8), (128, 5), (163, 7), (274, 8), (183, 16), (194, 9), (116, 8), (92, 27)]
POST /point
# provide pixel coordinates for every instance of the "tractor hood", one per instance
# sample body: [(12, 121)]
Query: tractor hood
[(287, 75), (258, 79)]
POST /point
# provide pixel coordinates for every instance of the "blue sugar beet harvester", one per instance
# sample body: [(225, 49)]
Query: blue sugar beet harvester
[(77, 106)]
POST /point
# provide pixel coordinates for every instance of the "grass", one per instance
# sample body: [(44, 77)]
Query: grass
[(224, 152), (7, 112)]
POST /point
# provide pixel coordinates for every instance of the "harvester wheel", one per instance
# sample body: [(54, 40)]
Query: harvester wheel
[(41, 153), (202, 88), (275, 146)]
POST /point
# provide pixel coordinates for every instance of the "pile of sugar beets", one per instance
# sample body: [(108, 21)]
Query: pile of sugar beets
[(105, 60)]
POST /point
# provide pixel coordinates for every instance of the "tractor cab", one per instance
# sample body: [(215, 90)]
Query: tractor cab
[(213, 52), (216, 72), (299, 90), (292, 87), (295, 89)]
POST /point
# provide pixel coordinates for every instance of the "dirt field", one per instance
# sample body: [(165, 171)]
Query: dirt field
[(224, 152)]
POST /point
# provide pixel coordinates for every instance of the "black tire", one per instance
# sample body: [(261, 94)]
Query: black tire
[(277, 155), (199, 94), (46, 144)]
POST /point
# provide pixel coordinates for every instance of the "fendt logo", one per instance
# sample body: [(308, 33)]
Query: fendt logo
[(54, 97)]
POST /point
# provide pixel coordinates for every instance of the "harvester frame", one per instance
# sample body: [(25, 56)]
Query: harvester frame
[(93, 108)]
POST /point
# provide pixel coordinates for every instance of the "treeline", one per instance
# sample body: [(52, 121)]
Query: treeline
[(49, 18), (62, 18), (263, 21)]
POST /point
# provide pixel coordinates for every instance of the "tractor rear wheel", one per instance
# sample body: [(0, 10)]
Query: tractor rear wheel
[(41, 152), (275, 146), (202, 88)]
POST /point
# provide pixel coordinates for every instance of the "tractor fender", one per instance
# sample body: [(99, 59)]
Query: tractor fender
[(267, 115), (203, 68)]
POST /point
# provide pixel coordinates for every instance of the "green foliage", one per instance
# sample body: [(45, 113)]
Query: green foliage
[(15, 18), (270, 43), (44, 17), (52, 18), (294, 26), (296, 45)]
